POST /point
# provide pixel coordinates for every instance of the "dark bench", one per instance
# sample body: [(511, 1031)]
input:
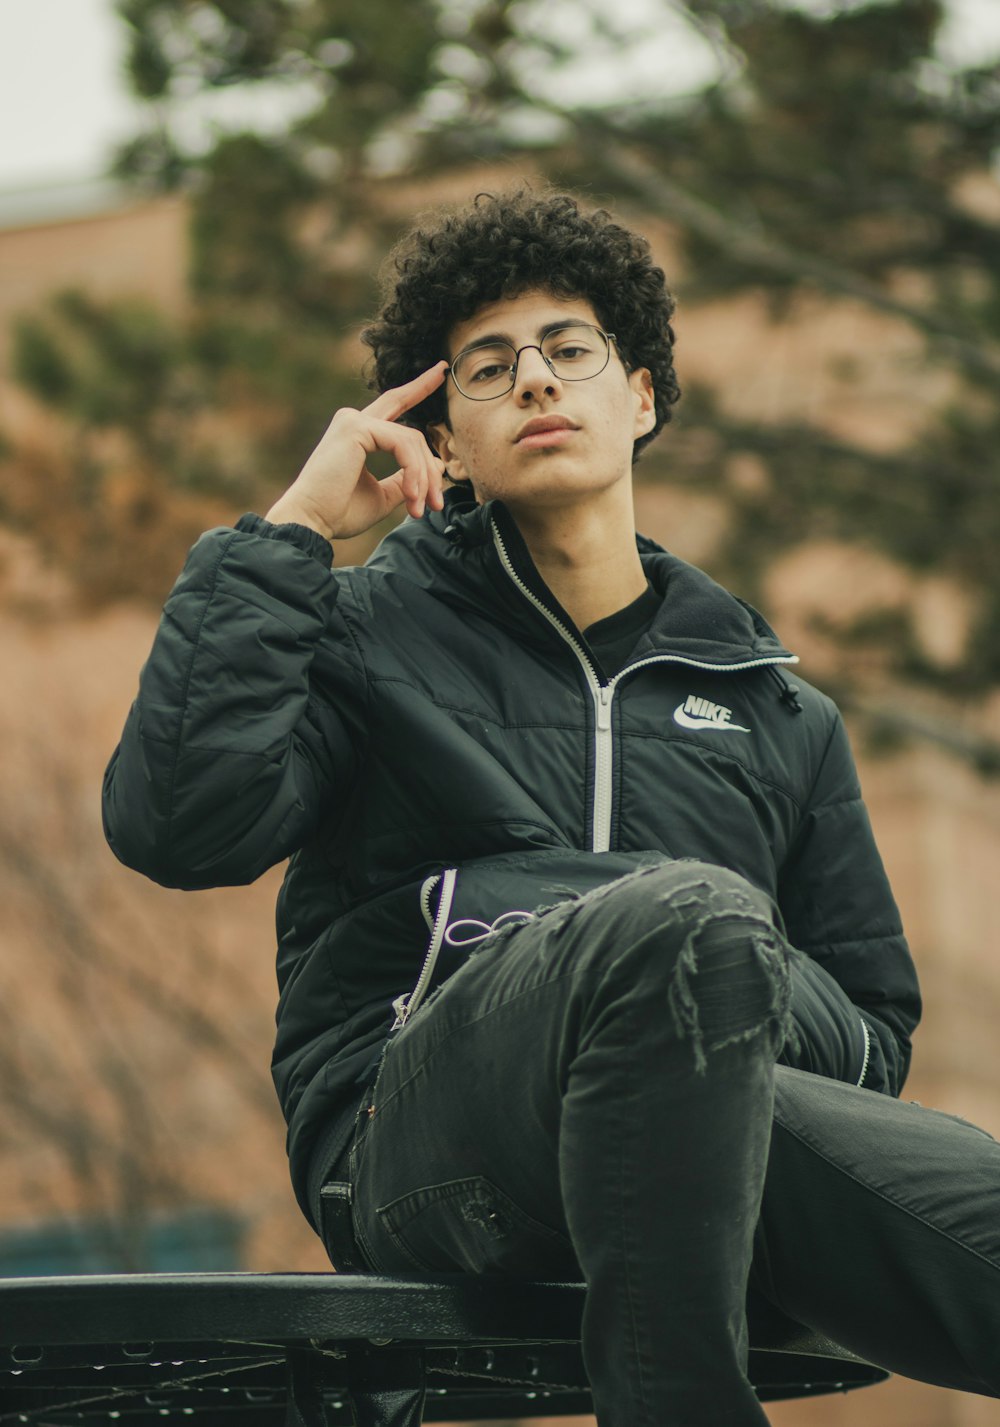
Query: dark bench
[(319, 1349)]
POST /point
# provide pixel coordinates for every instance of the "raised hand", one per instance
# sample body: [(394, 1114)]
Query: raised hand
[(335, 492)]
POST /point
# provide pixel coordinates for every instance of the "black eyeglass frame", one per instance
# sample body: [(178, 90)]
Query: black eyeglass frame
[(609, 337)]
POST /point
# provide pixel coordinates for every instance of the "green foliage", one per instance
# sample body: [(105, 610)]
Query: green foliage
[(367, 62), (104, 366), (243, 237), (932, 506), (40, 363), (123, 367)]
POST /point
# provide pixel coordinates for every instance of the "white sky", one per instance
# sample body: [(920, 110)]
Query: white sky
[(64, 104)]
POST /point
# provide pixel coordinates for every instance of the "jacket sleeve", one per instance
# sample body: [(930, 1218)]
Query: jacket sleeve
[(838, 907), (228, 758)]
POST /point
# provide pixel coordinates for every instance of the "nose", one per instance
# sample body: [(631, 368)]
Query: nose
[(534, 376)]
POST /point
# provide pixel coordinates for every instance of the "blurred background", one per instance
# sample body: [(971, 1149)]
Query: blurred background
[(195, 197)]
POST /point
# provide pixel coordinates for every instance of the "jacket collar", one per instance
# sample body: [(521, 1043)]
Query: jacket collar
[(454, 553)]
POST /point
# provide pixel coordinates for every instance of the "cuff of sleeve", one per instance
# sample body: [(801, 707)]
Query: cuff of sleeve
[(301, 536)]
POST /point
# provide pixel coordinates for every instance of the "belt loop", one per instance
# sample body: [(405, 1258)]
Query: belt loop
[(336, 1228)]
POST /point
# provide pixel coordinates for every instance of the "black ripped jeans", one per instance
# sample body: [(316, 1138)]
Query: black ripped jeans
[(594, 1096)]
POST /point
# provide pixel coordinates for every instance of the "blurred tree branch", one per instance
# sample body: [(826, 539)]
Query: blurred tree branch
[(665, 197)]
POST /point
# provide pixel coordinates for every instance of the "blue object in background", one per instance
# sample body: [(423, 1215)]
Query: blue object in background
[(202, 1240)]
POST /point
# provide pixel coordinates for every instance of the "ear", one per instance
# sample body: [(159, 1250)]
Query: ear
[(644, 398), (441, 439)]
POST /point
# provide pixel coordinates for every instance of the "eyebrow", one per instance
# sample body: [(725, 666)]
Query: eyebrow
[(492, 338)]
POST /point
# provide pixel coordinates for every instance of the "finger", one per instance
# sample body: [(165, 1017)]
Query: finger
[(392, 404), (435, 469), (435, 496), (395, 488), (391, 488), (420, 474), (432, 485), (413, 482), (419, 490)]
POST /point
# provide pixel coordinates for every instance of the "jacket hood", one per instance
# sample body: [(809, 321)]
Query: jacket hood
[(456, 555)]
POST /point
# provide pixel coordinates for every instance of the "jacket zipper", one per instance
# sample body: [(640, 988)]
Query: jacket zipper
[(441, 932), (405, 1005), (868, 1051), (603, 695)]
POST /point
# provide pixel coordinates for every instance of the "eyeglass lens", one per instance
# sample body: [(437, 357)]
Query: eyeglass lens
[(574, 353)]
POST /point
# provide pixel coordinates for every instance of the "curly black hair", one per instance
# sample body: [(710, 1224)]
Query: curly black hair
[(504, 244)]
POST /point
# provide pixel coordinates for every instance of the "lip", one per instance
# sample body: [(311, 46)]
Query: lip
[(541, 426)]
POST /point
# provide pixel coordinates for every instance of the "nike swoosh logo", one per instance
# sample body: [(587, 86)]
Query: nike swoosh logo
[(687, 720)]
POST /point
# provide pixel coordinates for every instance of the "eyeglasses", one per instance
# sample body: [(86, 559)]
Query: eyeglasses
[(572, 353)]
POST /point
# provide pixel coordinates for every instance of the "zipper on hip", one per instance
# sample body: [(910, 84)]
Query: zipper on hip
[(405, 1005), (868, 1052)]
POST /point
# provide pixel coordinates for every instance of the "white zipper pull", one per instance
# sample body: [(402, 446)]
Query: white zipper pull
[(603, 769), (604, 707)]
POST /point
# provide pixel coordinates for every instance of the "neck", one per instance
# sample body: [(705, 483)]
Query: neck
[(586, 554)]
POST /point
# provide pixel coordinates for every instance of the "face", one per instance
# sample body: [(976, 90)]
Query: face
[(604, 414)]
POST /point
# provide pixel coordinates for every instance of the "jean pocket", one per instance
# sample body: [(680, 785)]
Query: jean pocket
[(471, 1226)]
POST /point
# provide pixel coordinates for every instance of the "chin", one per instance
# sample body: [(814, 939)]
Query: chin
[(552, 485)]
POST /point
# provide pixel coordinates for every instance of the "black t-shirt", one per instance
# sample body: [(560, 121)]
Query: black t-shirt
[(613, 638)]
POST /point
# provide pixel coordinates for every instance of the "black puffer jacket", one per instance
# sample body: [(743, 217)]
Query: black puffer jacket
[(436, 709)]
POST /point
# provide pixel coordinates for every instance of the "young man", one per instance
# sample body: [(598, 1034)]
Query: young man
[(589, 966)]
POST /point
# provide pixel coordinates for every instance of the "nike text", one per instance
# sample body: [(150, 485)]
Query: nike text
[(702, 713)]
